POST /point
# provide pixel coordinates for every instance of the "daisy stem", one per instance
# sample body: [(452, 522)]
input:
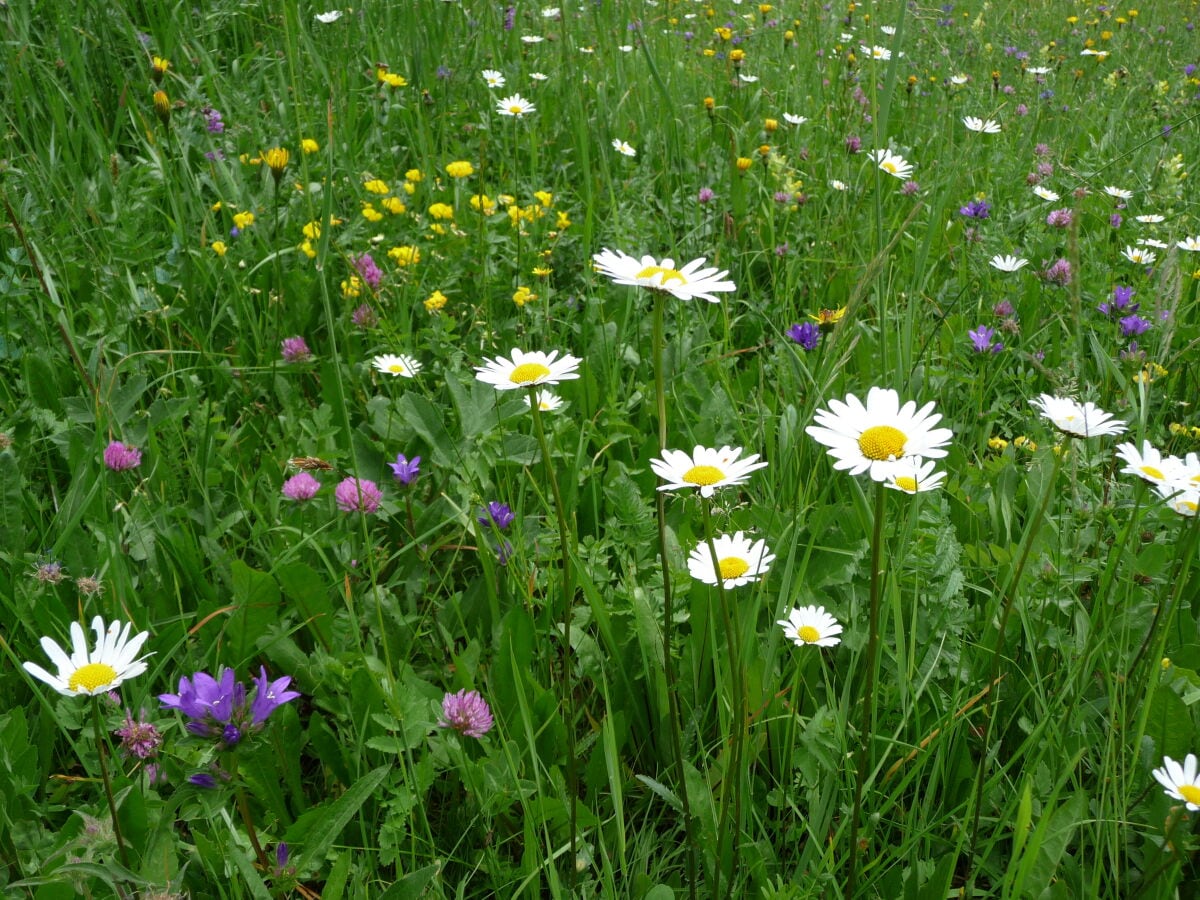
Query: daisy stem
[(102, 749), (1011, 587), (863, 761), (568, 584), (738, 719), (669, 676)]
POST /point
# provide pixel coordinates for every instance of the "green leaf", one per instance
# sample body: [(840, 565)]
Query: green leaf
[(257, 597), (412, 885), (12, 521), (337, 815)]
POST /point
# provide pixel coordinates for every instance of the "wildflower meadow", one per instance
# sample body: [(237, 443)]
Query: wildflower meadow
[(627, 448)]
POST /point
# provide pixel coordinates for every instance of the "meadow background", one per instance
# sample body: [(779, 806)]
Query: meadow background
[(1038, 647)]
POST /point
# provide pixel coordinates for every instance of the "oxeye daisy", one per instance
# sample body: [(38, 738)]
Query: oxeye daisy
[(492, 78), (1045, 193), (794, 120), (811, 626), (705, 468), (688, 282), (1191, 244), (547, 401), (1150, 218), (95, 672), (1147, 464), (1139, 256), (1184, 502), (623, 147), (876, 52), (397, 364), (892, 163), (515, 106), (1077, 419), (739, 560), (527, 369), (1117, 193), (1007, 263), (983, 126), (914, 475), (874, 437), (1180, 781)]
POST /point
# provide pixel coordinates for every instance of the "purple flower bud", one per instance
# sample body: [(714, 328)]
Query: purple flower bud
[(806, 334)]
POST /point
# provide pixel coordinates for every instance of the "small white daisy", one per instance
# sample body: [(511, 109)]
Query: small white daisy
[(1191, 244), (739, 560), (959, 80), (889, 30), (1078, 419), (1152, 242), (547, 401), (397, 364), (892, 163), (879, 437), (1148, 464), (95, 672), (1138, 256), (876, 52), (1007, 263), (551, 12), (794, 120), (531, 39), (527, 369), (1150, 219), (1038, 70), (1180, 782), (984, 126), (623, 147), (515, 106), (748, 79), (1186, 503), (914, 476), (328, 18), (539, 76), (704, 468), (1117, 193), (492, 78), (1045, 193), (838, 185), (811, 626), (689, 282)]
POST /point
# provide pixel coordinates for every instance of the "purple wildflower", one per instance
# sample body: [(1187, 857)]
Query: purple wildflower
[(120, 457), (976, 209), (1058, 272), (1041, 150), (1022, 109), (213, 121), (294, 349), (705, 196), (406, 470), (357, 495), (853, 143), (806, 334), (139, 738), (203, 780), (1060, 218), (510, 18), (1003, 309), (504, 552), (909, 188), (301, 487), (1122, 296), (218, 709), (467, 713), (981, 340), (781, 197), (1115, 220), (364, 317), (498, 514), (370, 272), (1131, 326)]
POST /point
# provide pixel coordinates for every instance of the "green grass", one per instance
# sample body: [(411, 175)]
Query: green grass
[(1037, 650)]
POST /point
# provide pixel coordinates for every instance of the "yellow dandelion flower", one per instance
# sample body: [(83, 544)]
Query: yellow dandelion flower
[(276, 159), (162, 106)]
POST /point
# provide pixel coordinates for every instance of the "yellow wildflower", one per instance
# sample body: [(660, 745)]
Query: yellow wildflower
[(460, 169), (544, 197), (218, 247), (394, 205), (435, 301), (352, 287), (376, 186), (441, 211), (308, 145), (523, 295), (308, 249), (562, 220), (162, 106), (482, 203), (243, 220), (370, 213), (405, 255), (997, 443), (158, 67), (414, 175), (312, 230), (390, 79), (542, 271), (277, 159), (743, 164)]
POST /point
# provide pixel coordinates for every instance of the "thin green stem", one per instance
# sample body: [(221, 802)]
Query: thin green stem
[(669, 675), (568, 584), (864, 762), (1187, 550), (102, 749)]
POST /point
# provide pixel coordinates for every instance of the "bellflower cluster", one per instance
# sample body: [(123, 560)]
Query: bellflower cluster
[(976, 209), (1121, 303), (981, 340), (218, 708)]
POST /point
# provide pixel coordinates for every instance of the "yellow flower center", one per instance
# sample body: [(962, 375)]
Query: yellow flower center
[(808, 634), (703, 475), (905, 483), (889, 166), (1195, 478), (732, 567), (882, 442), (1152, 472), (528, 373), (92, 676), (1189, 505), (396, 369), (1190, 793), (516, 110), (663, 275)]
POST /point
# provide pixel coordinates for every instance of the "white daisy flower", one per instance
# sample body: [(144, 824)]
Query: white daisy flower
[(547, 401), (889, 30), (1186, 503), (1007, 263), (1078, 419), (1180, 782), (1117, 193), (492, 78), (531, 39), (1191, 244), (1152, 242), (1149, 464), (876, 437), (959, 80), (551, 12), (892, 163), (739, 560), (876, 52), (1150, 219), (99, 671), (748, 79), (984, 126), (811, 626), (914, 475), (623, 148), (1038, 70), (397, 364), (527, 369), (539, 76), (838, 185), (1045, 193), (705, 468), (328, 17), (515, 106), (691, 281), (794, 120), (1187, 472), (625, 48), (1138, 256)]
